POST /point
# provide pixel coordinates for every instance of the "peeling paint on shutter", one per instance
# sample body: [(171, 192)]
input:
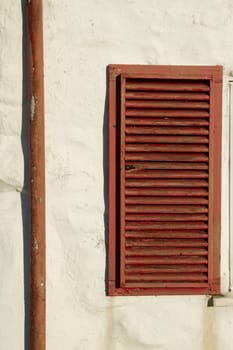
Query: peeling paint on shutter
[(165, 180)]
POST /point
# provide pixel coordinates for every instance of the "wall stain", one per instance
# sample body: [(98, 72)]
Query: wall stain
[(110, 331), (209, 326)]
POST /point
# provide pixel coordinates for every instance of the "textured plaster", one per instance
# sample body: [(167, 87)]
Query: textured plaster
[(80, 39), (11, 179)]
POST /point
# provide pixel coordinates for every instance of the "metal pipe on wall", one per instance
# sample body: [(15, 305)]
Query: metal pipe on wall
[(37, 176)]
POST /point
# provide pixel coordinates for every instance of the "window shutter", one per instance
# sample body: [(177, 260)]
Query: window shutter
[(164, 179)]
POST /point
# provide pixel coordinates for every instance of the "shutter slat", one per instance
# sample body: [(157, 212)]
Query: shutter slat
[(163, 260), (134, 112), (166, 130), (202, 288), (155, 242), (166, 139), (142, 251), (166, 183), (161, 174), (165, 165), (145, 95), (167, 86), (167, 157), (165, 225), (165, 200), (165, 268), (173, 148), (191, 192), (166, 217), (166, 277), (163, 234), (167, 104), (167, 121), (140, 209)]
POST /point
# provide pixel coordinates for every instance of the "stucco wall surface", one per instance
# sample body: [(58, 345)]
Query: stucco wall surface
[(80, 39)]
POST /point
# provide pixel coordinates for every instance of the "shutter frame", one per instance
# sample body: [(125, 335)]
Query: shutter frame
[(117, 75)]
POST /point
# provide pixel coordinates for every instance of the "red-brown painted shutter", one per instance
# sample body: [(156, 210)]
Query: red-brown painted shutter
[(165, 169)]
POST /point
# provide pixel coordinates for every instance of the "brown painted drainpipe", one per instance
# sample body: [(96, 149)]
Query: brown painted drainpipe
[(37, 175)]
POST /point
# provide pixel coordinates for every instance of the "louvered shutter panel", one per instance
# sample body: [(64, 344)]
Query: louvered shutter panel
[(165, 166)]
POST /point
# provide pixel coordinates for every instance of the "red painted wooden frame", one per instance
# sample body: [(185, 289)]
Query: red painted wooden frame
[(214, 75)]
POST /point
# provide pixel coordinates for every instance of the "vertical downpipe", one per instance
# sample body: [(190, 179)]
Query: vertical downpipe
[(37, 175)]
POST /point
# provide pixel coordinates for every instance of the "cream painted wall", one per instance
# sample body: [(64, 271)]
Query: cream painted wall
[(81, 38)]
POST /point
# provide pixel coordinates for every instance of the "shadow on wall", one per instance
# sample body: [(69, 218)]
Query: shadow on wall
[(25, 194), (105, 173)]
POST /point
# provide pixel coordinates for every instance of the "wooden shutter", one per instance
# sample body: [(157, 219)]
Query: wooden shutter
[(164, 179)]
